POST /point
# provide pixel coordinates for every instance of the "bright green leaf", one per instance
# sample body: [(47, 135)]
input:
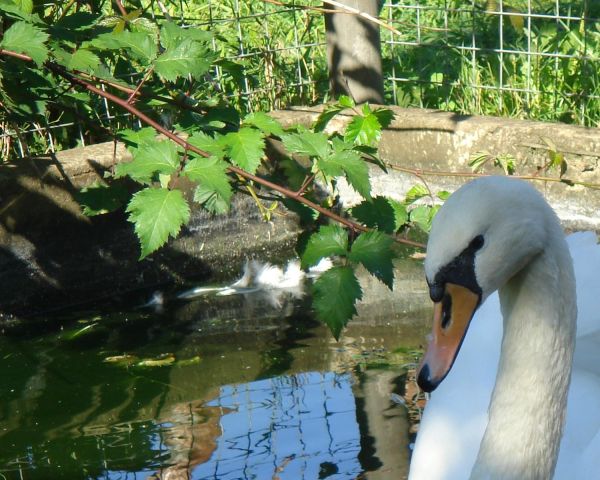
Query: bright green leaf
[(346, 102), (443, 195), (329, 240), (326, 115), (186, 58), (313, 144), (134, 138), (172, 35), (363, 130), (209, 144), (384, 116), (157, 214), (355, 168), (335, 294), (140, 45), (416, 192), (423, 215), (25, 38), (150, 158), (26, 6), (211, 174), (83, 60), (246, 148), (264, 122), (374, 251)]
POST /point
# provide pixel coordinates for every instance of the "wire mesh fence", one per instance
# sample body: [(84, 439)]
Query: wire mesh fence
[(536, 59)]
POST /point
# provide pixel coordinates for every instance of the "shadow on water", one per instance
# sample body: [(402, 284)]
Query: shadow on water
[(215, 388)]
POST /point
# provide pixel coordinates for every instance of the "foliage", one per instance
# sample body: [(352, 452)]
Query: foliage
[(157, 72), (547, 71)]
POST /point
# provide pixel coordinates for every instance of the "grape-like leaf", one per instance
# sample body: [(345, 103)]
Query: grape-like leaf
[(211, 200), (264, 122), (374, 251), (422, 216), (203, 141), (134, 138), (326, 115), (22, 37), (346, 102), (329, 240), (100, 198), (245, 148), (382, 213), (416, 192), (211, 174), (313, 144), (157, 214), (355, 168), (151, 157), (186, 58), (140, 45), (335, 294), (172, 35), (363, 130), (83, 60)]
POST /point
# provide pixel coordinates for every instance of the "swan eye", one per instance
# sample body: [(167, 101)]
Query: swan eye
[(476, 243)]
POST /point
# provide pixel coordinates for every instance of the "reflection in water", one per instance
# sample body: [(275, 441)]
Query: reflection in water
[(291, 427), (236, 402)]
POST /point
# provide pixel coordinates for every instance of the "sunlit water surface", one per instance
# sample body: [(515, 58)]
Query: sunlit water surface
[(220, 387)]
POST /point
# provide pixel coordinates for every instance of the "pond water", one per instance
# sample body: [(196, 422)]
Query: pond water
[(217, 387)]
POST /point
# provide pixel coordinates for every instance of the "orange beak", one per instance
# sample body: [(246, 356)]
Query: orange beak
[(451, 318)]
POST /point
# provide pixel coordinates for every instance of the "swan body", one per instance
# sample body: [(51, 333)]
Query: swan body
[(499, 413)]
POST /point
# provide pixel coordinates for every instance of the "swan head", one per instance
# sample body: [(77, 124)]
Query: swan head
[(485, 233)]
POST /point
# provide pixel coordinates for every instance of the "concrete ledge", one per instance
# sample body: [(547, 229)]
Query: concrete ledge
[(442, 141)]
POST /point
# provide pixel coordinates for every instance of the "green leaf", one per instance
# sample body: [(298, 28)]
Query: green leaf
[(211, 174), (26, 6), (374, 251), (443, 195), (326, 115), (264, 122), (363, 130), (245, 148), (140, 45), (157, 214), (313, 144), (134, 138), (83, 60), (382, 213), (478, 160), (335, 294), (422, 216), (203, 141), (384, 116), (172, 35), (185, 58), (329, 240), (355, 168), (416, 192), (346, 102), (150, 158), (100, 198), (25, 38)]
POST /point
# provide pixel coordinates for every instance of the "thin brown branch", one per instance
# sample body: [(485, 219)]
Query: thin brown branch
[(20, 56), (120, 7), (133, 94)]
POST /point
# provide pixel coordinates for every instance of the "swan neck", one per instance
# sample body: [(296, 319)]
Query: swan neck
[(527, 408)]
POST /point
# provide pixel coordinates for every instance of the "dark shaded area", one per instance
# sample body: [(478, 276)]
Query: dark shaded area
[(52, 257)]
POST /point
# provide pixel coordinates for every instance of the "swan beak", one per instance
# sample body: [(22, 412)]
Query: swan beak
[(451, 318)]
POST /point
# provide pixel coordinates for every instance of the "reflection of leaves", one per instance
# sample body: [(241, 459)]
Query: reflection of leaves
[(335, 294)]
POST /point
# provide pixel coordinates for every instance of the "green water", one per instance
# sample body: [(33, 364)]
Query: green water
[(220, 387)]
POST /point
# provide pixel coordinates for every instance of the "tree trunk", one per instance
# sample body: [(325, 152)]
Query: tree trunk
[(354, 53)]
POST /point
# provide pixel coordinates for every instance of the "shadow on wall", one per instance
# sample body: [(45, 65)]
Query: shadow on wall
[(52, 256)]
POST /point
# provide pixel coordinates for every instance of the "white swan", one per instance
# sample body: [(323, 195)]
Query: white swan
[(499, 412)]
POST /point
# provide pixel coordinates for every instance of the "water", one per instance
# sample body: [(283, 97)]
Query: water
[(236, 387)]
